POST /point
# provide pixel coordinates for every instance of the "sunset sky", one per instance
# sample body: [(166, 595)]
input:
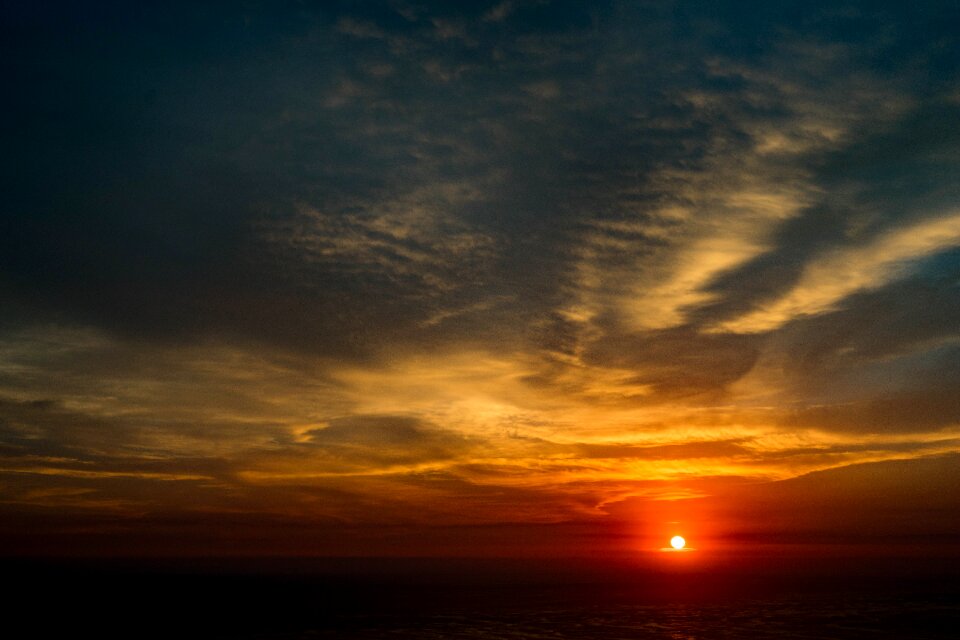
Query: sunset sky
[(534, 278)]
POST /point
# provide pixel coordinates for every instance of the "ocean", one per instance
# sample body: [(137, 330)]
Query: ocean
[(475, 599), (810, 617)]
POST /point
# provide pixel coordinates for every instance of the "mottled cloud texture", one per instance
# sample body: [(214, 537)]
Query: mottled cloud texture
[(357, 278)]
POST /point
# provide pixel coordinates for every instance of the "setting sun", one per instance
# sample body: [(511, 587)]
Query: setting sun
[(677, 542)]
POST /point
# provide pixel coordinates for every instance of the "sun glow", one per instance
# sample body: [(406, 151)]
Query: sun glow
[(677, 542)]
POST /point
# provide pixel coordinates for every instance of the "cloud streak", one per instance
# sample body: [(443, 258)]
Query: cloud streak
[(830, 278)]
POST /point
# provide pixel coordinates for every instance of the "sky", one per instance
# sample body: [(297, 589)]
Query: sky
[(530, 278)]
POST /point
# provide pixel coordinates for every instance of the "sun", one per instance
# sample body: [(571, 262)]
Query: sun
[(677, 542)]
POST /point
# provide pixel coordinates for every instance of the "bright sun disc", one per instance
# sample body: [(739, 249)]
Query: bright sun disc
[(677, 542)]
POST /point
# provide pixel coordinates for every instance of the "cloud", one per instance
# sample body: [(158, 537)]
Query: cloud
[(880, 502), (500, 12), (677, 362), (377, 441), (901, 412), (448, 264), (830, 278)]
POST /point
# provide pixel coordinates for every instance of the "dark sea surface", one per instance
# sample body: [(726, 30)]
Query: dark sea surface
[(754, 618), (476, 600)]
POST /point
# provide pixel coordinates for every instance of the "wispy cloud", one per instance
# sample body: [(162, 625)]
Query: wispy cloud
[(833, 276)]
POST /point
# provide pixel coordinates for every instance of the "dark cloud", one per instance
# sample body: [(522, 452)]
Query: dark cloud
[(378, 440), (678, 362), (879, 502), (719, 449), (145, 192), (911, 410), (42, 428), (904, 317)]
